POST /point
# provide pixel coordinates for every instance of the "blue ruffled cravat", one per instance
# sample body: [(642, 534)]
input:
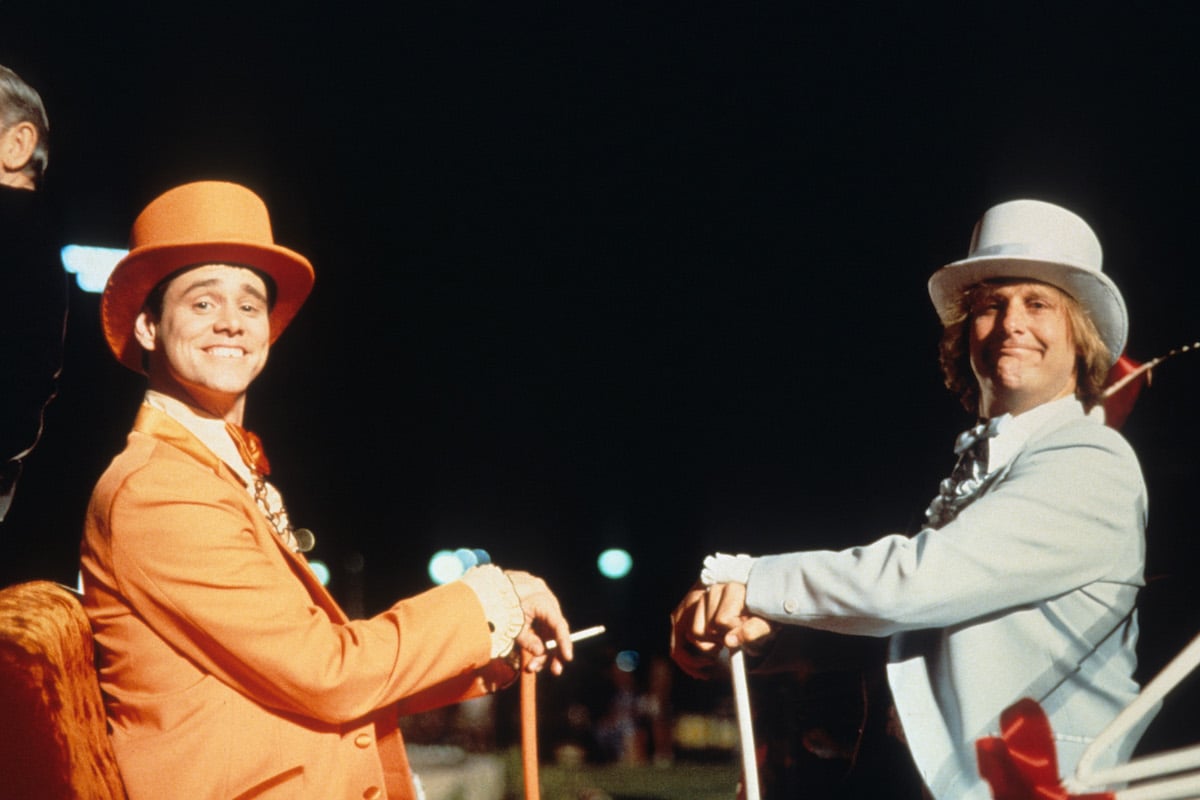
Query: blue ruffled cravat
[(979, 434), (968, 475)]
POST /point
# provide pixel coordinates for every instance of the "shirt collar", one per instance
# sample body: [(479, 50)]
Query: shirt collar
[(1013, 432), (208, 429)]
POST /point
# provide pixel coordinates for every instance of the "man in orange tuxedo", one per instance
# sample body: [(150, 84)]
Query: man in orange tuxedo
[(228, 670)]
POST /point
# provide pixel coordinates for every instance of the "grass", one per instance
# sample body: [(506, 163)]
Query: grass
[(680, 781)]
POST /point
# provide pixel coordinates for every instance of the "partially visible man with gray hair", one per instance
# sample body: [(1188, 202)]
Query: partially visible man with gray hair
[(24, 133), (33, 285)]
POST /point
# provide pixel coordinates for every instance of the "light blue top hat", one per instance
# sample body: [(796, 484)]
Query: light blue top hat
[(1039, 241)]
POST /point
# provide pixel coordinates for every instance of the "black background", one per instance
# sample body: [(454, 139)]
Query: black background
[(617, 274)]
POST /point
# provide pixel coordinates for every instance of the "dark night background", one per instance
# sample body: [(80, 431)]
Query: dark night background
[(618, 274)]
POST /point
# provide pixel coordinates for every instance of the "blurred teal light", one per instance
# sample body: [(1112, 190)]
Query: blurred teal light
[(445, 567), (449, 565), (320, 570), (615, 563)]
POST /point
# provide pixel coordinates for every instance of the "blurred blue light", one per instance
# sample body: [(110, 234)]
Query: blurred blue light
[(320, 570), (467, 557), (449, 565), (615, 563), (91, 266), (445, 567), (627, 660)]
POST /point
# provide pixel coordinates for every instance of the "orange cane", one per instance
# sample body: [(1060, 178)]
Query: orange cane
[(529, 743)]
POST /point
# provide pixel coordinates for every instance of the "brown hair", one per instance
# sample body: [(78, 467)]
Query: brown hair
[(1092, 359)]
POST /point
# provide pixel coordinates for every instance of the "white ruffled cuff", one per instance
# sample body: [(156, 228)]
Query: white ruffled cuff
[(722, 568), (501, 606)]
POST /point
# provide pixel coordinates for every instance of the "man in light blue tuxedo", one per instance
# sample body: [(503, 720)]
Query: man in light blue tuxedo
[(1023, 581)]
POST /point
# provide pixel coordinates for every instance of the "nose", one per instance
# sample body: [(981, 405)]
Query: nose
[(1014, 318), (229, 321)]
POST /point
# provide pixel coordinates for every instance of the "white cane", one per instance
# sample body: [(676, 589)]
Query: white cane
[(741, 698), (1159, 777)]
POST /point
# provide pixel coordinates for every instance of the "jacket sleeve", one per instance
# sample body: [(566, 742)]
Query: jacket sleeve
[(1070, 510), (191, 556)]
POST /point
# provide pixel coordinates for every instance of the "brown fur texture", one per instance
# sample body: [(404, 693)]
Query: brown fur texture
[(53, 735)]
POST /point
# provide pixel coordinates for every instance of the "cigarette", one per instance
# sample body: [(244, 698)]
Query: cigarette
[(585, 633)]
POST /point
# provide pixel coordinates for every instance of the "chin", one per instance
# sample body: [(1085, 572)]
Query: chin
[(229, 387)]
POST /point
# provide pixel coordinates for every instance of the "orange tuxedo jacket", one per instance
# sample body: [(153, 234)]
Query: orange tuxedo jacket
[(228, 671)]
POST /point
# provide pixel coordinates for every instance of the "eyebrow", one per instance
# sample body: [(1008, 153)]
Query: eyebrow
[(206, 283), (1029, 290), (1041, 293)]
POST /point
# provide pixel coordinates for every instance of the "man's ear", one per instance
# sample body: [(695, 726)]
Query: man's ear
[(17, 145), (145, 329)]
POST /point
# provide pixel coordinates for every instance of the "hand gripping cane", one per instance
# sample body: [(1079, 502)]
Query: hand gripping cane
[(741, 697)]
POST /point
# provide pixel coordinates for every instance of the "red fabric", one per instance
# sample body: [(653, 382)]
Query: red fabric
[(1020, 763), (1117, 407)]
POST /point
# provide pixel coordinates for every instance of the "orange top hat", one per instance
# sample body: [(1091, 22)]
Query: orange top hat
[(207, 222)]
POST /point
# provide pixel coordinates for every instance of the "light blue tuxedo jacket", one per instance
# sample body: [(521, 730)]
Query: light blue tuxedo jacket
[(1028, 592)]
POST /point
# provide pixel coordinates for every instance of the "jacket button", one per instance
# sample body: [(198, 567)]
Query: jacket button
[(790, 606), (372, 793), (363, 740)]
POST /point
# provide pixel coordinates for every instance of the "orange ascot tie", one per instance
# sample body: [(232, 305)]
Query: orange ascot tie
[(250, 447)]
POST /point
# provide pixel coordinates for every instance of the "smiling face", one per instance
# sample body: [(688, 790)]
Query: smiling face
[(1022, 350), (210, 340)]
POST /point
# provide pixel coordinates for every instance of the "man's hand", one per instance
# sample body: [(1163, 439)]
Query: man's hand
[(695, 654), (729, 619), (544, 621), (710, 618)]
